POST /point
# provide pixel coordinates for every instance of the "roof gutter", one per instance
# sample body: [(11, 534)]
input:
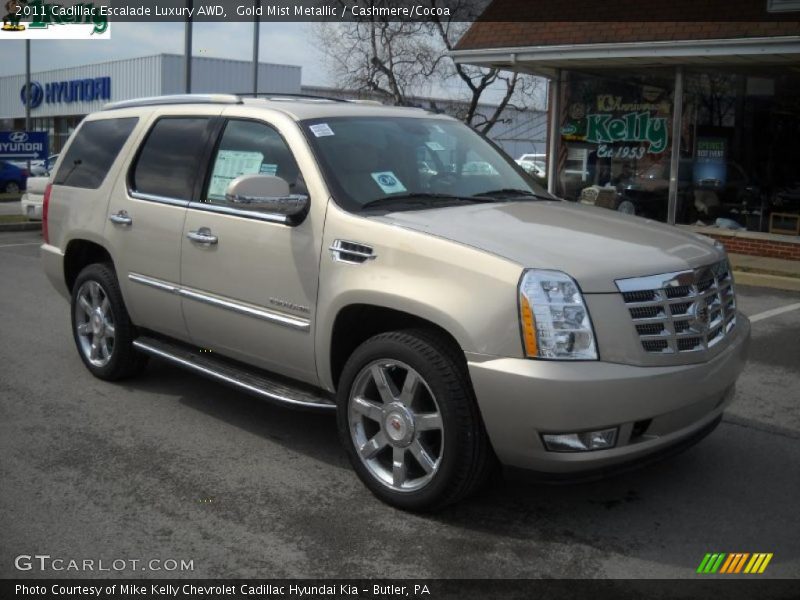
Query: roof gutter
[(660, 49)]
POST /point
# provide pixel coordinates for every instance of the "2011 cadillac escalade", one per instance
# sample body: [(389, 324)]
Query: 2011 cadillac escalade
[(391, 265)]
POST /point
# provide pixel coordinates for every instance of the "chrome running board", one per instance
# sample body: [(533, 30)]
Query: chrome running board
[(271, 387)]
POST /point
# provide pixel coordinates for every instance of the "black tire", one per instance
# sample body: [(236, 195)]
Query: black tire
[(466, 459), (12, 187), (123, 360)]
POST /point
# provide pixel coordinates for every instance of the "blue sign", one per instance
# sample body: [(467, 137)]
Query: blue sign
[(23, 145), (74, 90)]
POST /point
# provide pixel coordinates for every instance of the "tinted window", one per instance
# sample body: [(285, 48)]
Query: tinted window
[(93, 151), (170, 159), (250, 147)]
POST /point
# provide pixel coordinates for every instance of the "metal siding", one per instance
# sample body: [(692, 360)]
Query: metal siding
[(148, 76)]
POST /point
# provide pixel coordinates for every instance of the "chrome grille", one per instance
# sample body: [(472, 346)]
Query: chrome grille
[(686, 311)]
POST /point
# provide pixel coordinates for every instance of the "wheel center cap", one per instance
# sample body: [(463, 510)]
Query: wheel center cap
[(398, 423), (97, 322)]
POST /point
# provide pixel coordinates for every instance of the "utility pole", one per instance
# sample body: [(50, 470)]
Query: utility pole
[(28, 91), (187, 51), (256, 27)]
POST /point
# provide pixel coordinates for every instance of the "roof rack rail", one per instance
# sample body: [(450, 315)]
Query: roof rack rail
[(176, 99), (289, 96)]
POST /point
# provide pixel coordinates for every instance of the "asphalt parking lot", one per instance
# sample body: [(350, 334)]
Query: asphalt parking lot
[(170, 466)]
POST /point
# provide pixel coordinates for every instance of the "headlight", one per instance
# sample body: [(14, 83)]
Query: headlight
[(555, 321)]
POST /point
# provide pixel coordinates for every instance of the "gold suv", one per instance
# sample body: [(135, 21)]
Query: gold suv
[(391, 265)]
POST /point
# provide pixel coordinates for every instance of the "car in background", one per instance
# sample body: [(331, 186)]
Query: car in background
[(33, 198), (38, 168), (12, 177), (533, 167)]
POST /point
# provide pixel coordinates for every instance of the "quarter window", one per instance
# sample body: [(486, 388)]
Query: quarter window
[(171, 158), (92, 152), (250, 147)]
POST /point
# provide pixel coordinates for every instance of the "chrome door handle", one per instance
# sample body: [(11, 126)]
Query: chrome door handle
[(121, 218), (202, 236)]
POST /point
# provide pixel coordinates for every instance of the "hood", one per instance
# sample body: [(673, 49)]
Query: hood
[(593, 245)]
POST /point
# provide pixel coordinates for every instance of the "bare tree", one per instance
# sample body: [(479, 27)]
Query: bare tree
[(395, 60), (389, 59)]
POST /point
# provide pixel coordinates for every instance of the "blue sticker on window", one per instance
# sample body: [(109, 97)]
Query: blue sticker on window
[(388, 182)]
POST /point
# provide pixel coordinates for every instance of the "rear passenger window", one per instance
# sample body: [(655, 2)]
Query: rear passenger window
[(250, 147), (170, 159), (93, 151)]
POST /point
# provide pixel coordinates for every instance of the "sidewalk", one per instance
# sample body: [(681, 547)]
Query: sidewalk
[(766, 272)]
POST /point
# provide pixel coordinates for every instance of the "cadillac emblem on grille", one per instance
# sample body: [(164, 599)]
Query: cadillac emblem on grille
[(686, 311)]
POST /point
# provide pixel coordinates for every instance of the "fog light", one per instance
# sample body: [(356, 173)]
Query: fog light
[(580, 442)]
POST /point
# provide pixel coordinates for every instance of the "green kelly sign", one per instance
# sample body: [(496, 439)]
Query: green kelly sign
[(631, 127)]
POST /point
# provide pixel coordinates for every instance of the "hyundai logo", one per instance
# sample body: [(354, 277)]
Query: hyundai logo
[(18, 137), (36, 94)]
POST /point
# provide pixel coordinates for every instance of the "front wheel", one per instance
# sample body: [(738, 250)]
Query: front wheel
[(101, 326), (626, 207), (410, 423), (12, 187)]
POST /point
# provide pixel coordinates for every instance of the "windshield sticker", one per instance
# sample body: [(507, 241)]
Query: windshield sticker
[(388, 182), (229, 165), (321, 129), (435, 146), (268, 169)]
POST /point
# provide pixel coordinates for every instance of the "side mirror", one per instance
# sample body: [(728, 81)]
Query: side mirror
[(264, 193)]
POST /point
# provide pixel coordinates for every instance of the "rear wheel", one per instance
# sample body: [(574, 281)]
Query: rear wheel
[(12, 187), (101, 326), (410, 423)]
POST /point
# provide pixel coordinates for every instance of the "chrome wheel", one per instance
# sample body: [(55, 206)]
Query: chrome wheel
[(94, 323), (395, 425), (627, 207)]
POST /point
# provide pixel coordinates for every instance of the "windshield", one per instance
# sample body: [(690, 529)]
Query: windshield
[(407, 162)]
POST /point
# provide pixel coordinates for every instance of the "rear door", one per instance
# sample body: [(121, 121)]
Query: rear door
[(147, 213)]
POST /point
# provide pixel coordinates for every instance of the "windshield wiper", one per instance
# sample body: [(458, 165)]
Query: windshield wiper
[(511, 192), (421, 198)]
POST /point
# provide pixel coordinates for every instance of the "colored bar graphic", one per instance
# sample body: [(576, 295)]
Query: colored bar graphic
[(734, 562)]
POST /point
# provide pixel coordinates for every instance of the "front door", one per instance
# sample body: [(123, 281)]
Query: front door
[(249, 282)]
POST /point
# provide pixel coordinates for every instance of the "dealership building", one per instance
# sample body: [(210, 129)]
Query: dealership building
[(690, 120), (62, 97)]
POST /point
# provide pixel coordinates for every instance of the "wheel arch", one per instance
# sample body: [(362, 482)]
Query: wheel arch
[(357, 322), (80, 253)]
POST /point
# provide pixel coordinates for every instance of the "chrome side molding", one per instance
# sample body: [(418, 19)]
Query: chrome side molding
[(279, 318)]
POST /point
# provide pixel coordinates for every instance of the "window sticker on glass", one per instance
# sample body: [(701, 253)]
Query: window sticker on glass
[(388, 182), (229, 165), (268, 169), (435, 146), (321, 129)]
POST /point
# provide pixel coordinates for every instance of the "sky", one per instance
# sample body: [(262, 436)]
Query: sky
[(290, 43), (284, 43)]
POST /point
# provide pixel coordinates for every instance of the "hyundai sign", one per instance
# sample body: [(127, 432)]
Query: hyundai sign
[(23, 145), (75, 90)]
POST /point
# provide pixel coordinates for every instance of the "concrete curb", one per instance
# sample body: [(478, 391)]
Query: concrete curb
[(30, 226), (777, 282)]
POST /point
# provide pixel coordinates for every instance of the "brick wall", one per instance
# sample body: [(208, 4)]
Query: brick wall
[(509, 23), (767, 246)]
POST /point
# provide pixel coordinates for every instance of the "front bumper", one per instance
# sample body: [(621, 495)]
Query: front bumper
[(521, 399)]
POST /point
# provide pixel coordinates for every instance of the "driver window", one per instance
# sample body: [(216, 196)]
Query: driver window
[(251, 147)]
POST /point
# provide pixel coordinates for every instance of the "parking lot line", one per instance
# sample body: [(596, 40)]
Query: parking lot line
[(774, 312), (25, 244)]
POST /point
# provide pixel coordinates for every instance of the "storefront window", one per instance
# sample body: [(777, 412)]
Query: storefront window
[(740, 153), (615, 140)]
